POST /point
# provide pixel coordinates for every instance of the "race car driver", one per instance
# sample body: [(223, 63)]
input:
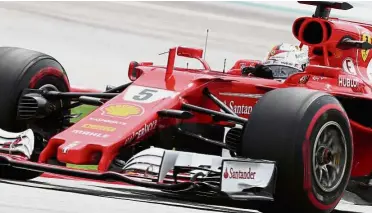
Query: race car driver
[(282, 61)]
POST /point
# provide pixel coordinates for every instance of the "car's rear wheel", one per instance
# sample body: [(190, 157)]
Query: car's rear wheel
[(21, 69), (308, 134)]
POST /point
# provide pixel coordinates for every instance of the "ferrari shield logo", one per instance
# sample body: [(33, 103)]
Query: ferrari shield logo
[(367, 38)]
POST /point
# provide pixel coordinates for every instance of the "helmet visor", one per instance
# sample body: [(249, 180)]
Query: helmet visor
[(283, 72)]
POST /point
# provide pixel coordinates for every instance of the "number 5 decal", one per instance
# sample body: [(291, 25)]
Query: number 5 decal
[(144, 94)]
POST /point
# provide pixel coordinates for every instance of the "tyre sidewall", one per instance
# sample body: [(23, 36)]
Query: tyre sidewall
[(326, 108)]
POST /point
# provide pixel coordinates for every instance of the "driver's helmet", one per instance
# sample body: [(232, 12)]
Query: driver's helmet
[(286, 59)]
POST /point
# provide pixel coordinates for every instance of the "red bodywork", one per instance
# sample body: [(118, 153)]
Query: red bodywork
[(96, 139)]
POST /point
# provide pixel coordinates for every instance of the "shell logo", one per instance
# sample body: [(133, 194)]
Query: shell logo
[(122, 110)]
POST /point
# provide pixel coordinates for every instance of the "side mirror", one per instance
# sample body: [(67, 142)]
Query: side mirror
[(190, 52), (133, 73)]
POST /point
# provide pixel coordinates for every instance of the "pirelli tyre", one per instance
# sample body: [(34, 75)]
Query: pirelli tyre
[(20, 69), (308, 134)]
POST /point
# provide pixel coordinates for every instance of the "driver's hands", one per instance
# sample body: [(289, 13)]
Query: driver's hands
[(260, 70)]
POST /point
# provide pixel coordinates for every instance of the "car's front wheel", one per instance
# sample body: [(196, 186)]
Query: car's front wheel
[(21, 69), (308, 134)]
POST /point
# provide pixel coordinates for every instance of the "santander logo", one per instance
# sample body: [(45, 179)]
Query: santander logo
[(238, 174)]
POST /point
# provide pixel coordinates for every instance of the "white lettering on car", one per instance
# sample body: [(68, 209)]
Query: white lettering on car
[(100, 120), (240, 109), (318, 78), (347, 82), (87, 133), (69, 146), (144, 130)]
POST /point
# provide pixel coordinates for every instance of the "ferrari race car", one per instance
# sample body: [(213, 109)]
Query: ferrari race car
[(295, 144)]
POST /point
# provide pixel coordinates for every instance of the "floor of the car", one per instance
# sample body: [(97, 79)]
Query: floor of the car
[(361, 190)]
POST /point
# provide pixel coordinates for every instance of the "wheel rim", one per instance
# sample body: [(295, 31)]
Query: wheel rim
[(329, 156)]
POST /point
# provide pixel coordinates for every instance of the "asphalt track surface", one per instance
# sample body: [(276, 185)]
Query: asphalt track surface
[(95, 42)]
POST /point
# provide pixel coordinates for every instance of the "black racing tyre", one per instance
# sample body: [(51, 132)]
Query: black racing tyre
[(308, 134), (20, 69)]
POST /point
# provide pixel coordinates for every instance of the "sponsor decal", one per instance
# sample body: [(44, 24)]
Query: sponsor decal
[(69, 146), (364, 53), (317, 78), (240, 109), (304, 79), (88, 133), (348, 66), (101, 120), (99, 127), (122, 110), (144, 130), (239, 174), (344, 81), (275, 60)]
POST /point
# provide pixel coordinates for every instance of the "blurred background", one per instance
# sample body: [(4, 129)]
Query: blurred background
[(95, 41)]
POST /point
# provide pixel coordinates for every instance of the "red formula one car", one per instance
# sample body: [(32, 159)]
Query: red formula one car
[(297, 143)]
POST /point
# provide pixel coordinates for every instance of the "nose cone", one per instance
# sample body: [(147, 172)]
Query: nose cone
[(97, 138), (76, 152)]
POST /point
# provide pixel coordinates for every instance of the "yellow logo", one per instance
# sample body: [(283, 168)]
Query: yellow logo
[(122, 110), (99, 127), (367, 38)]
